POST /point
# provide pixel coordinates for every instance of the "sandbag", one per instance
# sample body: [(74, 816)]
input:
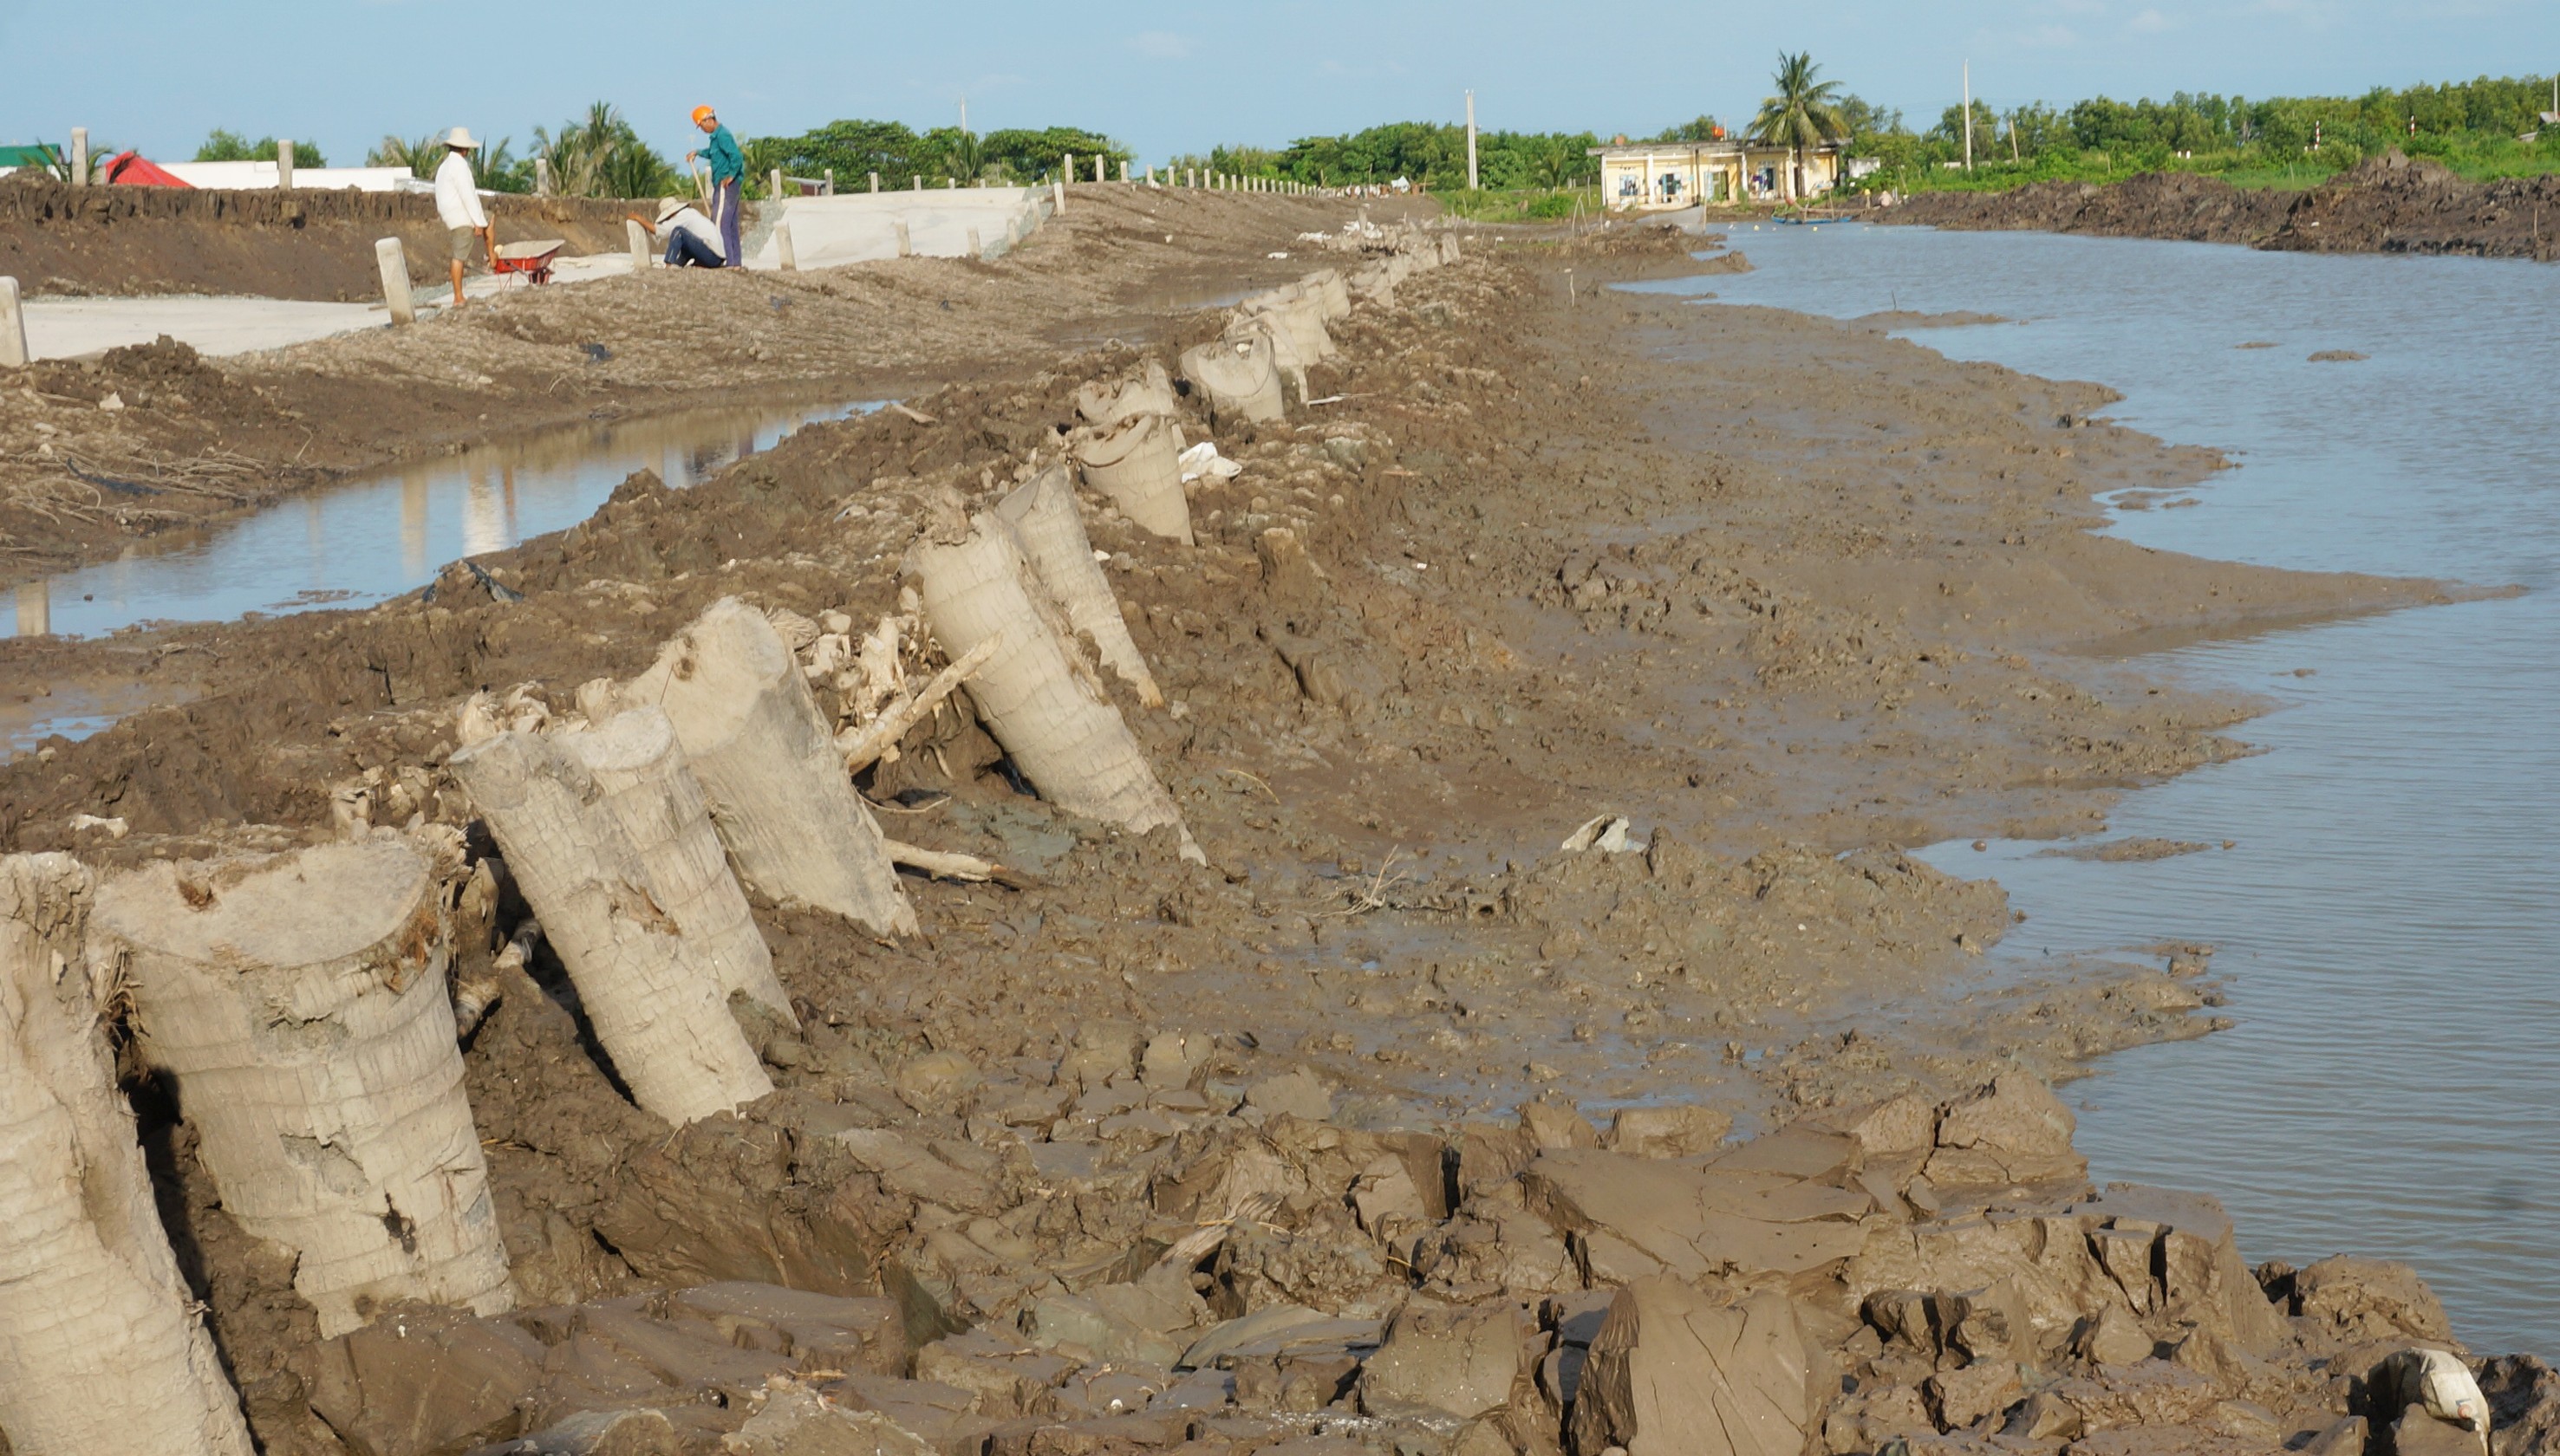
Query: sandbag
[(1326, 287), (1302, 319), (1138, 465), (1051, 537), (1286, 356), (1104, 404), (1035, 693), (1239, 377)]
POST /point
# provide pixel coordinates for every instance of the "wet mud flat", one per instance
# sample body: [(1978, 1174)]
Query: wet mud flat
[(1303, 1147)]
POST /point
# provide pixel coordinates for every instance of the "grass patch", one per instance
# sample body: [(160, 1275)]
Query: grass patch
[(1520, 204)]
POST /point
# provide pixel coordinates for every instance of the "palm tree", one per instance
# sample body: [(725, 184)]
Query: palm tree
[(420, 157), (966, 158), (1804, 113), (601, 156)]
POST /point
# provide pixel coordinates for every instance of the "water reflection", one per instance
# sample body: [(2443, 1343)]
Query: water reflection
[(371, 539), (35, 613), (2385, 917)]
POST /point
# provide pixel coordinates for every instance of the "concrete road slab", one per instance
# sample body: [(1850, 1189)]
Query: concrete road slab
[(67, 328)]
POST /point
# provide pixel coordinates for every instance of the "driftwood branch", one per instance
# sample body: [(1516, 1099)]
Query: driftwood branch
[(942, 864), (862, 747)]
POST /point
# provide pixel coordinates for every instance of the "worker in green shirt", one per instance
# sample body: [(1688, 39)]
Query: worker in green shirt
[(728, 169)]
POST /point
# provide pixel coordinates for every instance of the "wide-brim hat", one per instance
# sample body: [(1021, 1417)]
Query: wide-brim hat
[(668, 207), (460, 139)]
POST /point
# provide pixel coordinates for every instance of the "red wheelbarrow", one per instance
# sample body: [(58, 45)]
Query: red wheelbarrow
[(533, 259)]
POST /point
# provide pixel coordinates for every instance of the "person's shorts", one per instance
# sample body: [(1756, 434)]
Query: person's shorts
[(465, 240)]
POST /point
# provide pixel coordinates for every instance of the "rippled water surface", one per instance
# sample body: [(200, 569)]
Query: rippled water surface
[(360, 542), (2388, 921)]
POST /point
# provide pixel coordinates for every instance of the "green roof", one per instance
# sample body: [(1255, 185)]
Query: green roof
[(42, 154)]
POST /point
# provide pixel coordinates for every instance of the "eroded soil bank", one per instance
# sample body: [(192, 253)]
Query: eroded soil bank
[(1789, 594), (189, 441), (2388, 203)]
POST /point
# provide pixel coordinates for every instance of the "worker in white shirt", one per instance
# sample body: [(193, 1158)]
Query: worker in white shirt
[(457, 202), (691, 239)]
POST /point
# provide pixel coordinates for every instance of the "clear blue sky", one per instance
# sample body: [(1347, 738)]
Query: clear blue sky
[(1165, 77)]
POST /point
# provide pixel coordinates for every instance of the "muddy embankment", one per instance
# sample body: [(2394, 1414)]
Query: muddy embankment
[(1393, 1126), (121, 241), (2388, 203), (191, 441)]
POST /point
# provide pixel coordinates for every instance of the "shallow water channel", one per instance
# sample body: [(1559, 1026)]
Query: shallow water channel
[(2389, 932), (375, 537)]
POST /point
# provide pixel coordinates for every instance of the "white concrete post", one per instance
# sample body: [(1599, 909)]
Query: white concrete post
[(13, 327), (975, 250), (951, 184), (830, 181), (906, 249), (1968, 116), (542, 176), (1067, 169), (1124, 172), (395, 265), (774, 181), (637, 239), (1058, 190), (79, 156), (285, 166), (875, 182), (920, 184), (1471, 141), (782, 244), (1097, 169)]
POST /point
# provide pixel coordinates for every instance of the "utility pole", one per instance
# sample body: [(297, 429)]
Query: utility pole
[(1471, 141), (964, 115), (1968, 116)]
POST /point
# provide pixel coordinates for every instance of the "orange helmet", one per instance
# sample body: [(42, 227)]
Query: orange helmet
[(702, 114)]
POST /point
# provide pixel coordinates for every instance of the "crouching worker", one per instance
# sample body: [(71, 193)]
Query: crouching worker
[(691, 240)]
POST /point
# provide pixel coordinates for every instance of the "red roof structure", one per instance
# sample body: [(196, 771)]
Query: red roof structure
[(132, 169)]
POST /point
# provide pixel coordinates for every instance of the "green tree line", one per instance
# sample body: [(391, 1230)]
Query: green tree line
[(231, 146), (1429, 154), (600, 153), (2486, 127)]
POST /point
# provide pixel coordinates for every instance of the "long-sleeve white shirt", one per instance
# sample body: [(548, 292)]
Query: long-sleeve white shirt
[(457, 194)]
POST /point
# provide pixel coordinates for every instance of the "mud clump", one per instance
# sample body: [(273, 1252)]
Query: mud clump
[(1903, 1270)]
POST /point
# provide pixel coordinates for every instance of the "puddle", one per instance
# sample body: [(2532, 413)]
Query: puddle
[(370, 539)]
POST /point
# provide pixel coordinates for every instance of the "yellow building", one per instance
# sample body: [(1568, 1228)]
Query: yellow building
[(1654, 176)]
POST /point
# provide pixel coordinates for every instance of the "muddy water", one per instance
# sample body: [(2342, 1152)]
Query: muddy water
[(2389, 934), (369, 540)]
